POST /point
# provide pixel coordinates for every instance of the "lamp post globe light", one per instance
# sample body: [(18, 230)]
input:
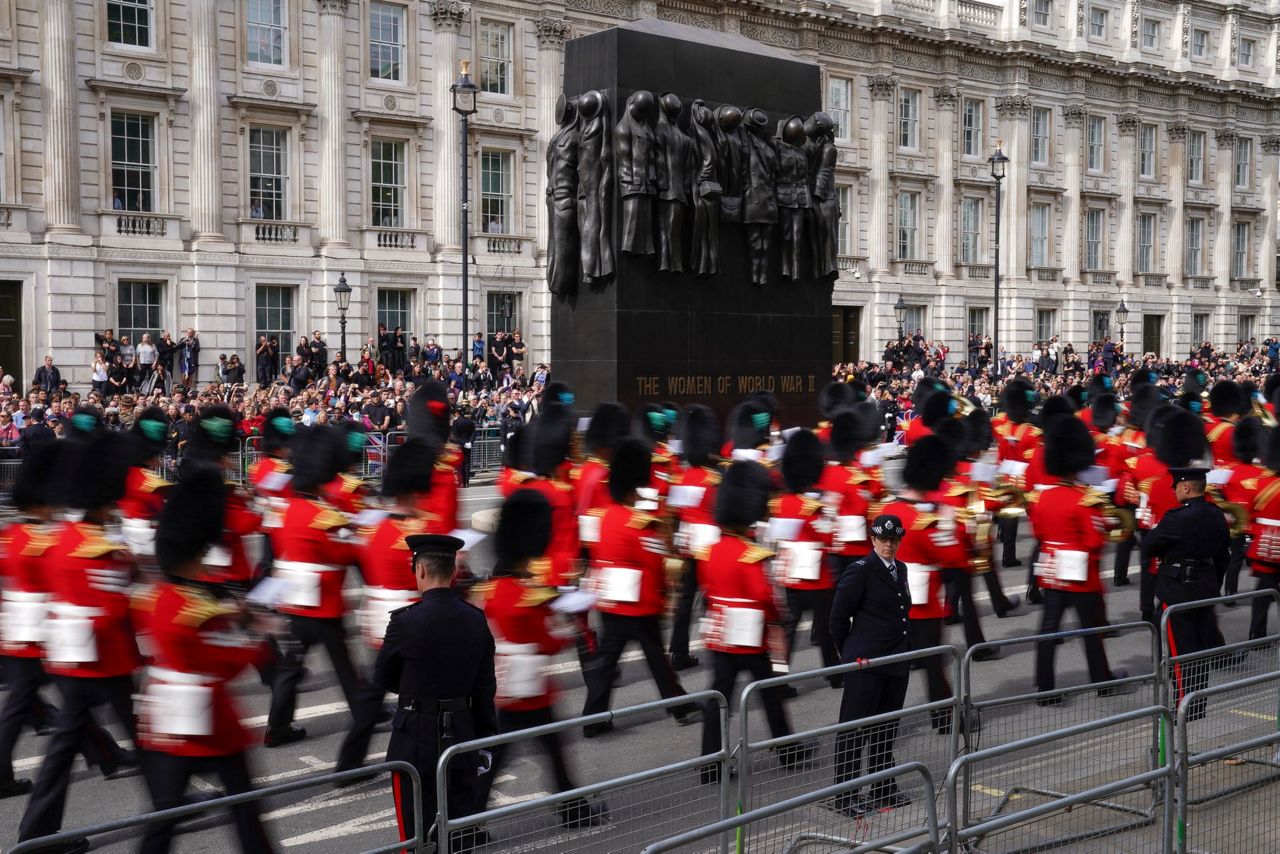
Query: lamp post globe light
[(900, 314), (464, 104), (342, 293), (1122, 314), (998, 162)]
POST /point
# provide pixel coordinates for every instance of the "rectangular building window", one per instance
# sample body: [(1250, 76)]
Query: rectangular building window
[(1200, 328), (979, 321), (1046, 323), (387, 182), (264, 31), (1240, 240), (845, 196), (1041, 124), (129, 22), (839, 91), (973, 128), (268, 173), (1244, 163), (1246, 328), (1096, 141), (497, 202), (139, 308), (1244, 54), (908, 226), (386, 41), (495, 58), (1040, 225), (1043, 13), (1195, 246), (1147, 151), (1097, 23), (133, 163), (273, 316), (914, 320), (1093, 230), (394, 309), (970, 230), (502, 311), (1195, 156), (1150, 34), (1101, 325), (1200, 44), (909, 119), (1146, 242)]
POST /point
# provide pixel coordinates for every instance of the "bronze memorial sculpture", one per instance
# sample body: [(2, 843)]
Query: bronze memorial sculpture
[(674, 157), (562, 200), (637, 176)]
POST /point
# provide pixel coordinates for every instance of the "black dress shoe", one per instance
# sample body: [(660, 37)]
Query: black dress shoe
[(987, 654), (1011, 604), (683, 662), (581, 812), (1122, 581), (836, 682), (797, 755), (385, 714), (127, 764), (1055, 700), (285, 735), (1117, 690), (13, 788), (851, 805), (787, 692), (688, 718), (1035, 597), (1010, 564), (592, 730)]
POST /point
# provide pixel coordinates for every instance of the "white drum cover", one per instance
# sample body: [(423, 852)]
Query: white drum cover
[(620, 584)]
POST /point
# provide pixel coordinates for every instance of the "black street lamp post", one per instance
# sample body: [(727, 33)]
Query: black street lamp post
[(1122, 314), (342, 291), (998, 161), (464, 104), (900, 314)]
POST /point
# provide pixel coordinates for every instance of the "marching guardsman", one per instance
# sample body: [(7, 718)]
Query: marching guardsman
[(1068, 520), (144, 490), (1037, 476), (870, 619), (1104, 412), (970, 512), (527, 634), (590, 478), (1264, 545), (387, 569), (213, 439), (348, 492), (914, 429), (270, 474), (693, 499), (1191, 548), (188, 722), (1228, 404), (90, 649), (932, 541), (834, 397), (438, 655), (801, 568), (747, 434), (544, 447), (629, 580), (1244, 478), (937, 408), (315, 550), (1017, 438), (652, 424), (1133, 441), (851, 489), (427, 416), (734, 575)]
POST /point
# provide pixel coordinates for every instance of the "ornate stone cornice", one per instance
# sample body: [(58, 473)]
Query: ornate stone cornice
[(551, 32), (1127, 123), (1226, 136), (449, 14), (882, 86), (333, 7), (1014, 106), (946, 97), (1271, 144), (1178, 131), (1073, 115)]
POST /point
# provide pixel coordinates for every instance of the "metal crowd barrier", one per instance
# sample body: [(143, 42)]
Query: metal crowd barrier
[(416, 844), (657, 801), (486, 450), (927, 733), (1015, 816), (811, 819)]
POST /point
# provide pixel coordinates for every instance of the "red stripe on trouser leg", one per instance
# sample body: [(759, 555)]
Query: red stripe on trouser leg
[(1173, 653), (395, 794)]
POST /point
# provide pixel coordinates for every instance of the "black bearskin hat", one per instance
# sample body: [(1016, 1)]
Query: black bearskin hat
[(1104, 411), (1018, 400), (94, 472), (700, 436), (557, 394), (742, 498), (1248, 439), (609, 423), (1271, 386), (651, 424), (769, 403), (1099, 384), (980, 434), (928, 461), (214, 435), (855, 428), (749, 425), (427, 414), (925, 389), (1271, 450), (192, 518), (859, 389), (409, 468), (630, 469), (1195, 381), (85, 422), (1143, 376), (834, 397), (545, 442), (1226, 399), (937, 406), (1054, 408), (1143, 401), (148, 435), (1068, 447), (1077, 396), (802, 461), (318, 456), (954, 432), (524, 530), (278, 429), (1181, 439), (354, 442), (34, 486)]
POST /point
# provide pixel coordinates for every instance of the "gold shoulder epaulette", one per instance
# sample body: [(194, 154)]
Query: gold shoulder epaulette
[(1250, 483), (350, 483), (775, 505), (811, 505), (1093, 498), (198, 610), (531, 596), (540, 570), (562, 486), (957, 489), (96, 546), (150, 482), (713, 477), (328, 519), (755, 554), (640, 519), (37, 544), (483, 591), (923, 520)]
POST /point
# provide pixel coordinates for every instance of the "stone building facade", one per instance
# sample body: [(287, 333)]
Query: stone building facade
[(217, 164)]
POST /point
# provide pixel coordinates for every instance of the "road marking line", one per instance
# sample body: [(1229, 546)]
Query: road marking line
[(381, 820), (1259, 715), (323, 801), (995, 793)]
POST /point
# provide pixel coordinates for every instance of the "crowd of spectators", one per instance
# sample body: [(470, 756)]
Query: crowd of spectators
[(493, 385)]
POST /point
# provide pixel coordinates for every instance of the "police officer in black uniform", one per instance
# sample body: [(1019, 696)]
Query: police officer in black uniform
[(1192, 543), (464, 433), (438, 656), (869, 619)]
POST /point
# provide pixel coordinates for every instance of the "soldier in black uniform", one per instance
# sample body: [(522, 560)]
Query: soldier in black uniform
[(464, 433), (869, 619), (1192, 543), (438, 656)]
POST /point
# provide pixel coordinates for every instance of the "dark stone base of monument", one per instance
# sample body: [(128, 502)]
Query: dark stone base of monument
[(649, 336)]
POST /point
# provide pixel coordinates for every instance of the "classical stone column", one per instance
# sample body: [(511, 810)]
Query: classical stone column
[(1225, 173), (1074, 117), (883, 87), (551, 36), (944, 235), (1267, 221), (1127, 123), (447, 17), (59, 103), (331, 116), (1013, 112), (206, 160), (1176, 211)]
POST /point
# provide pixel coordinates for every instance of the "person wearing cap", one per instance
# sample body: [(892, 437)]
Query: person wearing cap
[(189, 722), (462, 434), (1244, 476), (609, 423), (348, 491), (427, 416), (270, 474), (915, 428), (1068, 519), (527, 634), (870, 618), (144, 491), (693, 498), (1191, 547), (212, 442), (1017, 438), (438, 656), (652, 424), (848, 486), (1264, 545)]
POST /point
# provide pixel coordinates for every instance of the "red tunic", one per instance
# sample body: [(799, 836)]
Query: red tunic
[(264, 468), (144, 494), (441, 503), (193, 633), (590, 479), (384, 557), (914, 430), (1068, 516), (733, 573), (519, 613), (707, 479), (930, 541), (23, 550), (1015, 441), (87, 570), (854, 489), (1264, 548), (312, 534), (1111, 452), (348, 493), (238, 521), (809, 511), (629, 539), (1221, 435), (563, 551), (509, 480)]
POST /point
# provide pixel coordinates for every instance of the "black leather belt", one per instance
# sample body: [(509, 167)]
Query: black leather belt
[(1186, 570), (433, 706)]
